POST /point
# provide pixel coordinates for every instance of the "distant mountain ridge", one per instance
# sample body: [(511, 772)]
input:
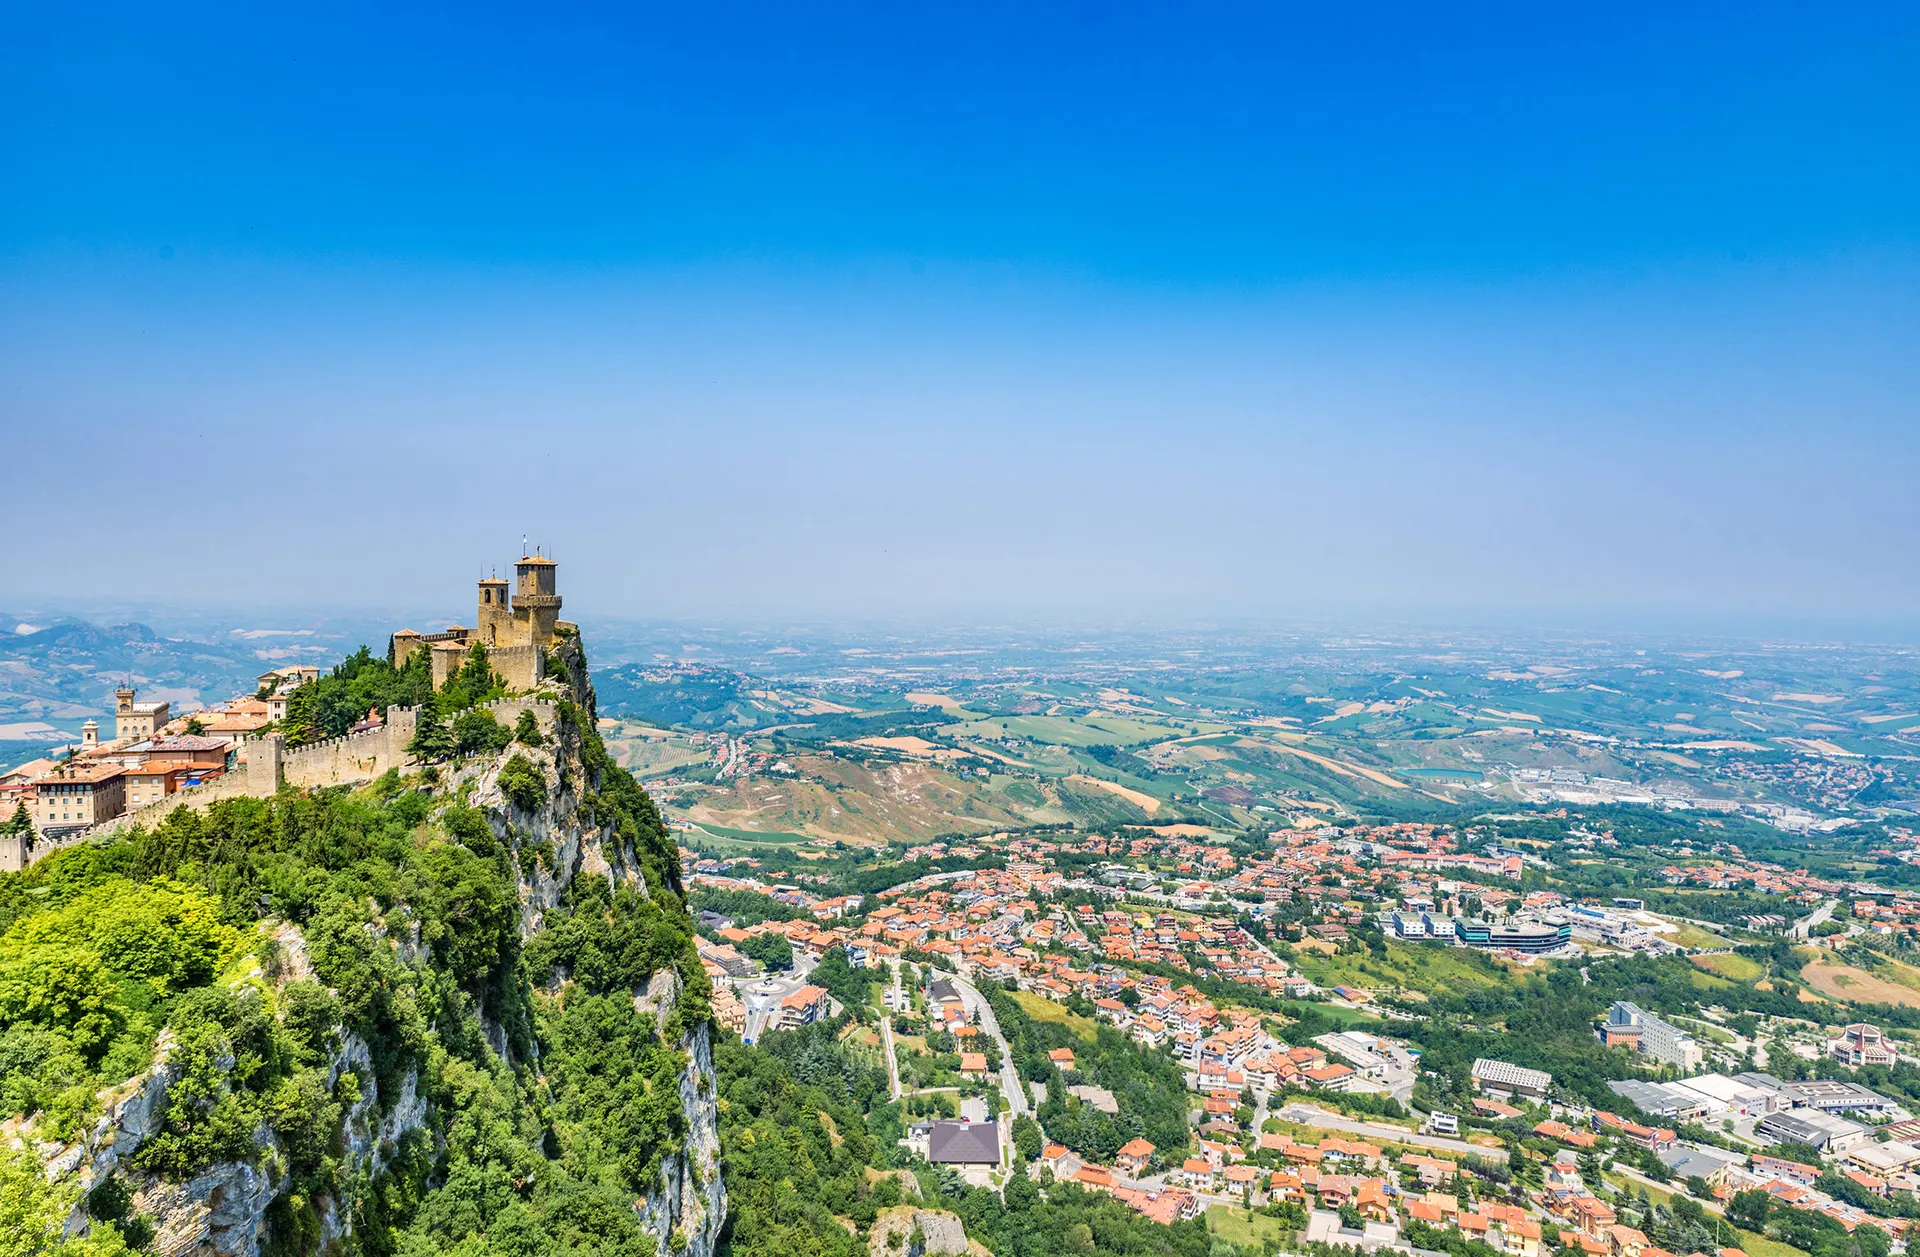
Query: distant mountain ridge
[(63, 672)]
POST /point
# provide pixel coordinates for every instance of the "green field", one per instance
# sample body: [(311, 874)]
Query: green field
[(1418, 968), (1736, 967), (1760, 1246), (1346, 1014), (1069, 730), (1244, 1229), (1691, 936), (1041, 1008)]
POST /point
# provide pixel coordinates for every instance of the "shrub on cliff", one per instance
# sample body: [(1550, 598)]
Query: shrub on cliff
[(522, 783), (526, 730)]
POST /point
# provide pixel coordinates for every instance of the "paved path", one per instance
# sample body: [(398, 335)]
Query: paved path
[(1010, 1085), (1308, 1115), (886, 1036)]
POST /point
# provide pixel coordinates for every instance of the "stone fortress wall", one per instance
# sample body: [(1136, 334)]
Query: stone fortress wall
[(354, 759)]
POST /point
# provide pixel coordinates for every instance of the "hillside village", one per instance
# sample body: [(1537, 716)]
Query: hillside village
[(155, 754), (1114, 931)]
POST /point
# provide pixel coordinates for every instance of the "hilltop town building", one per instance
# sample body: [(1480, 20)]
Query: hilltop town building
[(78, 795), (133, 721), (516, 632), (1501, 1078)]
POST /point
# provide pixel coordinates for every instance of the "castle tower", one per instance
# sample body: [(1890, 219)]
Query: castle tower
[(534, 594), (495, 625), (123, 719)]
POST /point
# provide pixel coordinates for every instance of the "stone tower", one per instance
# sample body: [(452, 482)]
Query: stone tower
[(496, 618), (534, 595)]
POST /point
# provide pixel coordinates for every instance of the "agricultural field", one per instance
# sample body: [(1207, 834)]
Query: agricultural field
[(1077, 730), (1889, 983)]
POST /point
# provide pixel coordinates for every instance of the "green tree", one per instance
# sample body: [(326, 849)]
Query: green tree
[(1027, 1137), (770, 949), (431, 739), (33, 1215), (1748, 1209), (526, 730), (476, 730), (523, 784), (474, 682)]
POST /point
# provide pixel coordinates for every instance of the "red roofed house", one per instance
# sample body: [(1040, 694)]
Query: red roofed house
[(1197, 1173), (1135, 1156)]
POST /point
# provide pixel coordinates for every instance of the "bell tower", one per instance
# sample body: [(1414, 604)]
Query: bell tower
[(495, 622)]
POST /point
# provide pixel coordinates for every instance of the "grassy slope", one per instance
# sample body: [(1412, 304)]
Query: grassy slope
[(1244, 1229), (1042, 1009), (1426, 969)]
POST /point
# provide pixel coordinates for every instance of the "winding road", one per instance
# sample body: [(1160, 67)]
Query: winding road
[(1009, 1076)]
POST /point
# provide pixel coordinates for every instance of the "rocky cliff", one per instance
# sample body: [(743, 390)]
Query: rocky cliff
[(394, 1109)]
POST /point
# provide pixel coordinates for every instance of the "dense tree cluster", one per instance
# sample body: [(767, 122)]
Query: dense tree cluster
[(329, 706), (745, 907), (1151, 1080), (809, 1147)]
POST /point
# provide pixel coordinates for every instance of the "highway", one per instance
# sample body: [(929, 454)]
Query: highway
[(1819, 916)]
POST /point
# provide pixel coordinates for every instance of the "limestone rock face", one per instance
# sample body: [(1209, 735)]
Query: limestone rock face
[(223, 1211), (685, 1215)]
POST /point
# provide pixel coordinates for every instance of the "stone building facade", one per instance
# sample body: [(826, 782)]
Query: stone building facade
[(134, 721)]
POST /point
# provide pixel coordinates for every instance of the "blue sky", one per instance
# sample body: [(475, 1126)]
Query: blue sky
[(1420, 310)]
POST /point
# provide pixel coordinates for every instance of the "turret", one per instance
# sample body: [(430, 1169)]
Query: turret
[(534, 594)]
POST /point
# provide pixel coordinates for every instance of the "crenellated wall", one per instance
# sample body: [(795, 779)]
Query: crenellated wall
[(349, 759), (353, 759)]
